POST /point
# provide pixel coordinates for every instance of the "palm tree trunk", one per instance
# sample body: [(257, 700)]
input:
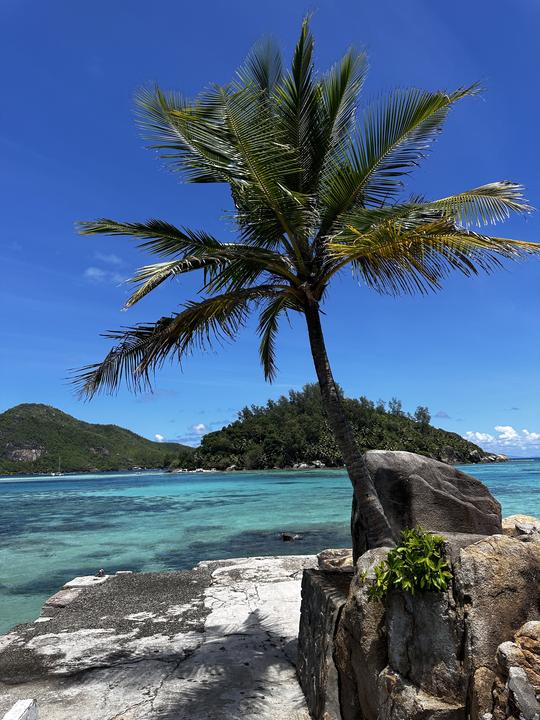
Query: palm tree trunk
[(374, 525)]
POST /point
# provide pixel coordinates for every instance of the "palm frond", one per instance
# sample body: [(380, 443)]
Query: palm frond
[(191, 135), (297, 97), (149, 277), (268, 329), (491, 203), (395, 136), (263, 67), (141, 349), (396, 258), (159, 237), (340, 89)]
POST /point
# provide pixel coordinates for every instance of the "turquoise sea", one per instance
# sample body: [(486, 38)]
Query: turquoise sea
[(54, 528)]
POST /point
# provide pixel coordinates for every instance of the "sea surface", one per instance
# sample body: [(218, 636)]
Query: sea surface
[(54, 528)]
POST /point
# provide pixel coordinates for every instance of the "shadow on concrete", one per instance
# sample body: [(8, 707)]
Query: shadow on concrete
[(249, 673)]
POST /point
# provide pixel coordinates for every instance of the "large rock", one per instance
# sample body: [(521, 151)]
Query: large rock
[(428, 659), (336, 560), (416, 490), (496, 583), (516, 686), (471, 653), (323, 595), (519, 525)]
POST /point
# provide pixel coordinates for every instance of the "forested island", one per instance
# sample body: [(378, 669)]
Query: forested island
[(292, 431), (284, 433), (37, 438)]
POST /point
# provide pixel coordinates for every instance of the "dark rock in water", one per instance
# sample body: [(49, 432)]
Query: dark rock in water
[(416, 490), (323, 595), (290, 536)]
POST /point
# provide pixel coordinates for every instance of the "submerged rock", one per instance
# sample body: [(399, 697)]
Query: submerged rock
[(291, 536)]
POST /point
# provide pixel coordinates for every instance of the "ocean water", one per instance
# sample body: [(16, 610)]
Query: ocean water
[(54, 528)]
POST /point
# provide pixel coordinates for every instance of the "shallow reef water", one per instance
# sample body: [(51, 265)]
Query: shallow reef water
[(53, 528)]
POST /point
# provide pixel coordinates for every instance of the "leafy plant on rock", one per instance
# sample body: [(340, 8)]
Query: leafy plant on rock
[(418, 563)]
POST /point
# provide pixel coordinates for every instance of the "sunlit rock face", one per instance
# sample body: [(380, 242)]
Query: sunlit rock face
[(416, 490), (471, 652)]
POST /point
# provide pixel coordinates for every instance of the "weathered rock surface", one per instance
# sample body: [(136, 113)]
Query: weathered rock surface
[(217, 642), (323, 596), (424, 636), (360, 644), (519, 525), (497, 585), (401, 700), (516, 684), (336, 560), (416, 490), (471, 653)]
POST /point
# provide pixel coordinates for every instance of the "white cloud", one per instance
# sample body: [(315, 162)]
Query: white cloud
[(159, 438), (506, 433), (508, 439), (110, 259), (479, 437), (195, 433), (99, 275)]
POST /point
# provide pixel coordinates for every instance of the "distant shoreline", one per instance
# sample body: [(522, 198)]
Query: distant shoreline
[(203, 471)]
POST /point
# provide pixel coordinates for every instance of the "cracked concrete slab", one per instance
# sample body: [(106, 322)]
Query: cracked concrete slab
[(215, 642)]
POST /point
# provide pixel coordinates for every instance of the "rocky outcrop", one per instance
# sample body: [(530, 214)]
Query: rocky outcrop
[(217, 642), (471, 653), (519, 525), (516, 684), (24, 454), (415, 490), (360, 644)]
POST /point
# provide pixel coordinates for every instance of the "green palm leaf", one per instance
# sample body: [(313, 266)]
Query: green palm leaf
[(268, 329), (396, 258), (491, 203), (141, 349), (394, 137)]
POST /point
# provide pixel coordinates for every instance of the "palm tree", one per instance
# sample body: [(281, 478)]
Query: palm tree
[(316, 188)]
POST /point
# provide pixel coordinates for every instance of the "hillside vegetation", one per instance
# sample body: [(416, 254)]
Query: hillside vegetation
[(293, 430), (34, 437)]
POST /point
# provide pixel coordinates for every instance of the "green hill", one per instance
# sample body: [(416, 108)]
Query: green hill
[(293, 430), (34, 437)]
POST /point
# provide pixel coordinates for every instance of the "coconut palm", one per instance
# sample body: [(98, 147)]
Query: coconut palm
[(317, 187)]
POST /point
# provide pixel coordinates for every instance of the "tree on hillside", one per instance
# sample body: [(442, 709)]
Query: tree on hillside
[(316, 188), (395, 407), (422, 416)]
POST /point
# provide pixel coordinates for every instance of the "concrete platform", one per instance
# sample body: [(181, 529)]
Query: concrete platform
[(214, 643)]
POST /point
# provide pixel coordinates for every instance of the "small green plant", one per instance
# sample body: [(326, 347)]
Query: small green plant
[(417, 564)]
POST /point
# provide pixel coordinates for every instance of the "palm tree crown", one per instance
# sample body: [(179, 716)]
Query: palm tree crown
[(317, 185)]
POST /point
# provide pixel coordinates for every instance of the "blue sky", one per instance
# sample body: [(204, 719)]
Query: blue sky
[(70, 150)]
